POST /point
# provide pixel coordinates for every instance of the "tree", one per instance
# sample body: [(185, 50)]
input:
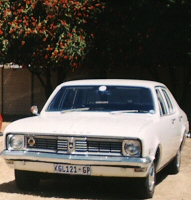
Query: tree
[(47, 35), (150, 34)]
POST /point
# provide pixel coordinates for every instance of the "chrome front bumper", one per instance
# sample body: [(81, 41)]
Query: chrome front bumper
[(100, 165)]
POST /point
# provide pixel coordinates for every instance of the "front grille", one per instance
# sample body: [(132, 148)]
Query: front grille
[(62, 145), (98, 146), (43, 143), (75, 145)]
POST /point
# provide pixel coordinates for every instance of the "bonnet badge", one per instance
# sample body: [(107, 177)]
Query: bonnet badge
[(31, 141)]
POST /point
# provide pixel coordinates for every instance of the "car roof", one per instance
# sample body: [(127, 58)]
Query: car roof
[(124, 82)]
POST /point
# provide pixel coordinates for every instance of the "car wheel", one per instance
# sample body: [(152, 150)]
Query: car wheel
[(174, 165), (147, 185), (26, 180)]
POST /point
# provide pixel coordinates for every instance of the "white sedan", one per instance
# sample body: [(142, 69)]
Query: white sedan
[(108, 128)]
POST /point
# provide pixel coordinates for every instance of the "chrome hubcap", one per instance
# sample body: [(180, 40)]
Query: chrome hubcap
[(178, 159), (151, 177)]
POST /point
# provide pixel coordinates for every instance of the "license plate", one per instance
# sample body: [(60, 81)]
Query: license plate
[(72, 169)]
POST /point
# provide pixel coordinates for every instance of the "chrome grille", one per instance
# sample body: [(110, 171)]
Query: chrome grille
[(62, 145), (44, 143), (98, 146), (81, 145)]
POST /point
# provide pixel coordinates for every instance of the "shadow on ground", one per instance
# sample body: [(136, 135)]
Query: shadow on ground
[(82, 188)]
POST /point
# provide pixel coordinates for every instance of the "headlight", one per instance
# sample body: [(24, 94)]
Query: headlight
[(15, 142), (131, 148)]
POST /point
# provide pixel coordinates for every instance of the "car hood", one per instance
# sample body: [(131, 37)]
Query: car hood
[(83, 124)]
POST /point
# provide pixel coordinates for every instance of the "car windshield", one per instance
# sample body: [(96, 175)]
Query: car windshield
[(102, 98)]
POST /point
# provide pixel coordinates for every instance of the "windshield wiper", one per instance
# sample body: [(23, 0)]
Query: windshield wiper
[(132, 111), (74, 109), (124, 111)]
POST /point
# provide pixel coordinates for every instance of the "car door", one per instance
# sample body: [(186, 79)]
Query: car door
[(175, 118), (167, 132)]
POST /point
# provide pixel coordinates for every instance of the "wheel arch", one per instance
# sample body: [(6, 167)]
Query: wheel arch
[(183, 139), (158, 157)]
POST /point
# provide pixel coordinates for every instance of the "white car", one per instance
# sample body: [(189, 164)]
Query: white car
[(108, 128)]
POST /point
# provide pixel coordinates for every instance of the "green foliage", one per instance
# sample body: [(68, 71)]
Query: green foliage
[(52, 35), (46, 33)]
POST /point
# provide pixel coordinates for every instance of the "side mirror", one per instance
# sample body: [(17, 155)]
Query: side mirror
[(34, 110)]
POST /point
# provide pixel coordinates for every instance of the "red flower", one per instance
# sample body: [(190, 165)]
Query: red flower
[(55, 52), (11, 31), (64, 23), (61, 44), (62, 52), (49, 48), (69, 35), (91, 7), (75, 64), (21, 31), (81, 37)]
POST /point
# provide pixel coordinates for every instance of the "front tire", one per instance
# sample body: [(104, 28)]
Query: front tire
[(174, 165), (147, 185), (26, 180)]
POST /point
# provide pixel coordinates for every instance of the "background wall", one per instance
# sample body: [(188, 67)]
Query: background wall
[(19, 89)]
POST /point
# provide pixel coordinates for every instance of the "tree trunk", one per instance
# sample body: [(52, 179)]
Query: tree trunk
[(48, 89), (62, 73)]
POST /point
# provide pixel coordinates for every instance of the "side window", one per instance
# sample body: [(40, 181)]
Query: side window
[(169, 103), (162, 105)]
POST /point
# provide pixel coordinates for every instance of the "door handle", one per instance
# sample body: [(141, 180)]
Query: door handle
[(180, 118)]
